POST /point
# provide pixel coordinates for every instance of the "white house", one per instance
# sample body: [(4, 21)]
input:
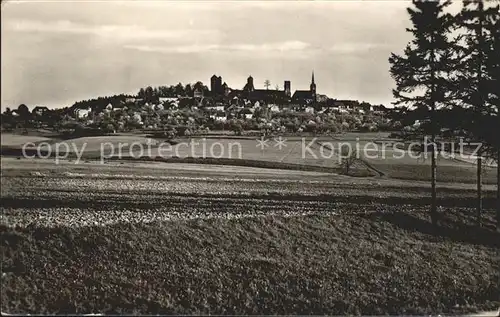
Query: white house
[(309, 109), (274, 108), (39, 111), (82, 113), (137, 117), (149, 106), (246, 113), (217, 107), (168, 99), (219, 117)]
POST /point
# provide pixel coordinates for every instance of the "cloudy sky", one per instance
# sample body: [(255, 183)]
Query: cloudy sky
[(55, 53)]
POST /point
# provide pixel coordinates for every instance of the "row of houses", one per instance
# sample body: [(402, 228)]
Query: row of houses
[(246, 107)]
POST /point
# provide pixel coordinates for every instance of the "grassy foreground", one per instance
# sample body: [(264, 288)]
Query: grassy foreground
[(379, 263)]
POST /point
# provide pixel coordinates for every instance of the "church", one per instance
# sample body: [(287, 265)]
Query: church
[(306, 96), (267, 95)]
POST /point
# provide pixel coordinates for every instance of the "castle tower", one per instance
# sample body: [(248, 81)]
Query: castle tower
[(213, 84), (249, 86), (313, 88), (220, 91), (288, 88)]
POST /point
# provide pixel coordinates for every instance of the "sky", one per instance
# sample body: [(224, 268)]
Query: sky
[(55, 53)]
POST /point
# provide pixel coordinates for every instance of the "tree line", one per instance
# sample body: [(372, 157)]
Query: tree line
[(98, 104), (148, 94), (152, 94), (448, 78)]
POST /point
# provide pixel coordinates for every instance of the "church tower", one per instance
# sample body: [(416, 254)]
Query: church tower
[(288, 88), (313, 88), (249, 85)]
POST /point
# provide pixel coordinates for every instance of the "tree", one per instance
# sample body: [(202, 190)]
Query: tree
[(24, 115), (7, 118), (473, 77), (493, 71), (236, 127), (162, 91), (141, 93), (185, 103), (348, 161), (179, 90), (267, 83), (23, 110), (188, 90), (199, 85), (421, 72), (149, 94)]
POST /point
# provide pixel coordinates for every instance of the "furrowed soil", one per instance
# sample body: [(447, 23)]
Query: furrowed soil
[(179, 239)]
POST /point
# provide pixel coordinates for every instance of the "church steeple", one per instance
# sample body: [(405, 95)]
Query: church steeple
[(313, 88)]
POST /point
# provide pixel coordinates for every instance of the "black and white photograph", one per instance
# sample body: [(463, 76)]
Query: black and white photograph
[(247, 157)]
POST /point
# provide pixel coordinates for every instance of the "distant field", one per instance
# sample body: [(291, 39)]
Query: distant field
[(108, 144), (413, 166), (248, 149), (448, 170), (445, 173), (8, 139), (234, 150)]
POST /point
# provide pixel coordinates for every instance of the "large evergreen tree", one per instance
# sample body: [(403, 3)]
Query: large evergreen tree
[(421, 72), (475, 20), (179, 90), (493, 111)]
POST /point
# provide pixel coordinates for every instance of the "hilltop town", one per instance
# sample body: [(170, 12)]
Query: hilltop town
[(258, 184), (197, 109)]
